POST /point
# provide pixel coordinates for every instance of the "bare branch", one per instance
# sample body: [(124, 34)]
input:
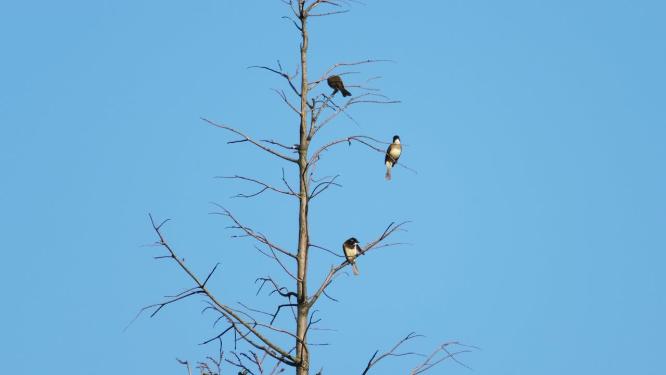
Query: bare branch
[(322, 186), (293, 148), (256, 323), (363, 139), (284, 98), (328, 13), (276, 369), (431, 361), (314, 128), (290, 3), (283, 291), (316, 3), (284, 180), (211, 273), (329, 297), (391, 353), (392, 228), (282, 74), (258, 182), (298, 27), (248, 139), (186, 364), (239, 364), (280, 307), (251, 233), (274, 256), (218, 337), (317, 110), (161, 305), (314, 84), (266, 345), (327, 250), (205, 368)]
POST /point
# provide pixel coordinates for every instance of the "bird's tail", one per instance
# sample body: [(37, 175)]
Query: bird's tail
[(388, 172), (355, 269), (345, 92)]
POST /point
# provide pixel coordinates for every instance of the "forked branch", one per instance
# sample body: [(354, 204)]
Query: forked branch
[(282, 74), (442, 353), (230, 314), (371, 98), (363, 139), (390, 353), (377, 243), (369, 142), (324, 185)]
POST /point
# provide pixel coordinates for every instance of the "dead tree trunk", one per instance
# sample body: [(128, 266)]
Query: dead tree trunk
[(303, 308)]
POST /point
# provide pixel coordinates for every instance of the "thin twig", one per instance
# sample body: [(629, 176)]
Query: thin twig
[(392, 228), (258, 182), (251, 233), (281, 74), (390, 353), (186, 364), (431, 362), (248, 139)]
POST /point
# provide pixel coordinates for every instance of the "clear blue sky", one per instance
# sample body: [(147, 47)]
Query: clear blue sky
[(537, 129)]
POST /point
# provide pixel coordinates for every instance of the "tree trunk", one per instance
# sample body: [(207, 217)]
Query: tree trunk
[(302, 352)]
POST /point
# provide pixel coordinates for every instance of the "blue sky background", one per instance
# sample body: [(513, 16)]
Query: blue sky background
[(537, 129)]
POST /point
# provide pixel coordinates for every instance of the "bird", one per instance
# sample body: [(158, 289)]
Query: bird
[(351, 250), (335, 82), (392, 155)]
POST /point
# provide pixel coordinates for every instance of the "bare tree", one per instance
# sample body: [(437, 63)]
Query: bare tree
[(261, 345)]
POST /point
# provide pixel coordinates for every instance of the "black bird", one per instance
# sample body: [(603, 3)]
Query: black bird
[(335, 82), (351, 250), (392, 155)]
